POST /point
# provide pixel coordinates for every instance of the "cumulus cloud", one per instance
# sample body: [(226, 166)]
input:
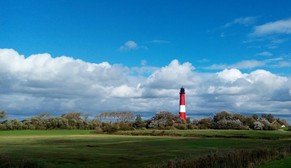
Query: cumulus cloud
[(276, 27), (254, 92), (129, 45), (125, 91), (40, 83), (62, 81), (172, 76), (230, 75)]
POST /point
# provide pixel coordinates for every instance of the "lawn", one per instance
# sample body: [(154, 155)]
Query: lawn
[(81, 148)]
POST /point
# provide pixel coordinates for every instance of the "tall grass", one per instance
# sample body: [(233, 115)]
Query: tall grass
[(237, 159), (242, 134), (6, 162)]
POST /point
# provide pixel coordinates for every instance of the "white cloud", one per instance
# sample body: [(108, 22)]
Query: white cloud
[(172, 76), (125, 91), (265, 53), (282, 64), (278, 62), (245, 21), (248, 64), (41, 83), (40, 78), (267, 79), (276, 27), (157, 42), (217, 66), (245, 64), (129, 45), (230, 75)]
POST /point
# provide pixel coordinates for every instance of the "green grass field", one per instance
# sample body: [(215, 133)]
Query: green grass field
[(81, 148)]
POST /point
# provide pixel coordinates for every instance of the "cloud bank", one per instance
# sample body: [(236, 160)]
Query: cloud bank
[(41, 83)]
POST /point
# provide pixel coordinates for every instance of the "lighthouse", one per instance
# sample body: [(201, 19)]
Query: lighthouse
[(182, 112)]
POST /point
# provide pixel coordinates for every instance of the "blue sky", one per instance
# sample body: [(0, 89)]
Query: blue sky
[(145, 47), (202, 32)]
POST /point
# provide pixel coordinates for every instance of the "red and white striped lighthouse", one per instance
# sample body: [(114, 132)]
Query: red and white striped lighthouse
[(182, 112)]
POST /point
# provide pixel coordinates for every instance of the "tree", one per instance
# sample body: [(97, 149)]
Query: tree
[(85, 116), (2, 115), (163, 120), (255, 116), (72, 115), (205, 123), (249, 121), (43, 115), (282, 122), (221, 115), (115, 116), (138, 122), (275, 125), (258, 125), (270, 118)]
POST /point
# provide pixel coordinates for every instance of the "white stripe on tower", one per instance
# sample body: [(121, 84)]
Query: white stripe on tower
[(182, 109)]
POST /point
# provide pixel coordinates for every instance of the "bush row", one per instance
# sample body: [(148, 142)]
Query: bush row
[(113, 121)]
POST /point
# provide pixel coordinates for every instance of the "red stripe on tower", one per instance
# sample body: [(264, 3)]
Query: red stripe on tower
[(182, 112)]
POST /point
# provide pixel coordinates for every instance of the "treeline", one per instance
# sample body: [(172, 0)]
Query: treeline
[(114, 121), (72, 120), (221, 120)]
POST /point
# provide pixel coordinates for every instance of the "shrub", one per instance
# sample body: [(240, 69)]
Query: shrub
[(191, 126), (180, 126), (109, 128), (139, 124), (258, 125), (205, 123), (98, 129), (162, 120), (275, 126), (125, 126)]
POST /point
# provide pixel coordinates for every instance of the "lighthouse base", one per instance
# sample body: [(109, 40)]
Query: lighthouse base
[(182, 115)]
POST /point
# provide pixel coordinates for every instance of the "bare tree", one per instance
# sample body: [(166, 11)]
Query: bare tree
[(115, 116), (2, 115), (43, 115), (72, 115)]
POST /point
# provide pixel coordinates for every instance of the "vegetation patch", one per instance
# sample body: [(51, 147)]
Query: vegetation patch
[(238, 159), (8, 162), (242, 134), (279, 163)]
